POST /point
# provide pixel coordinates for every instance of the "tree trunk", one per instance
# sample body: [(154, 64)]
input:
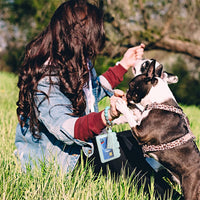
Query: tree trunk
[(178, 46)]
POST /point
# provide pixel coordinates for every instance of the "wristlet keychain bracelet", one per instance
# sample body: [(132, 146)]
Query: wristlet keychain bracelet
[(108, 122), (109, 129), (107, 144)]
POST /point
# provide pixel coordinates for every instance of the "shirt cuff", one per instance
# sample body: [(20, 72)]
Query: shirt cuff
[(88, 126), (115, 74)]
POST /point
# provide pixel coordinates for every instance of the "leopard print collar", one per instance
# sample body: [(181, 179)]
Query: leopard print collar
[(189, 136)]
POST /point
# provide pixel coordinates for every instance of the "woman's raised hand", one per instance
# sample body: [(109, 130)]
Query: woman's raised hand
[(132, 55)]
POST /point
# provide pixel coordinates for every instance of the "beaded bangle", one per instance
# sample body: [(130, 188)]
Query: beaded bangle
[(108, 122)]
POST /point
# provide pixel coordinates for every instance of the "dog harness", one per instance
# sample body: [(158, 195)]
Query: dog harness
[(189, 136)]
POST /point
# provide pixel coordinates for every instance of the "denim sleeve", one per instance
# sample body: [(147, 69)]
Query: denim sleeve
[(54, 111), (101, 86)]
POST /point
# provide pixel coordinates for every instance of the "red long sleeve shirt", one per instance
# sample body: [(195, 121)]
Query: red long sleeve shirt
[(89, 125)]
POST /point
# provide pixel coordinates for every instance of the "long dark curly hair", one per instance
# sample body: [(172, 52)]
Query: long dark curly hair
[(74, 35)]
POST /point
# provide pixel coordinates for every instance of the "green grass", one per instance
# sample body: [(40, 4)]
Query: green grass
[(48, 182)]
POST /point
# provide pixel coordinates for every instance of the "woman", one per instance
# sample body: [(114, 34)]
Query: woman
[(59, 89)]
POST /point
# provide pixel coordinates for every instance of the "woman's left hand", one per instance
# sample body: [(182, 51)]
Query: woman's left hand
[(114, 113), (118, 94)]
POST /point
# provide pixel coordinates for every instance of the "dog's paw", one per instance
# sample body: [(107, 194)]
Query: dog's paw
[(137, 114), (128, 114), (121, 106), (120, 120)]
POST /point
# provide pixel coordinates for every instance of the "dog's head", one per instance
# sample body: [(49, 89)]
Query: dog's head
[(141, 84), (141, 67), (150, 80)]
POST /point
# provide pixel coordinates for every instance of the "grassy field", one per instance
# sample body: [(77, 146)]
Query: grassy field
[(49, 183)]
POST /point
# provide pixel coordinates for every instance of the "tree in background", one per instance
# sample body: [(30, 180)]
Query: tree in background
[(170, 25), (24, 20)]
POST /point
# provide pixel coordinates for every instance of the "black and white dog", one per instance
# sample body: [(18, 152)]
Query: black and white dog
[(132, 160), (163, 129), (141, 67)]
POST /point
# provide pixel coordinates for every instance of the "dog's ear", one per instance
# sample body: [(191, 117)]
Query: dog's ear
[(159, 70), (151, 73), (170, 78), (145, 66), (151, 70)]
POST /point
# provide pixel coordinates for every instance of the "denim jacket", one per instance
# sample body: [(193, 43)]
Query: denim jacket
[(57, 143)]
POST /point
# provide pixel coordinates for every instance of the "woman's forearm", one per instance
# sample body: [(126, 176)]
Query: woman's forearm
[(115, 74)]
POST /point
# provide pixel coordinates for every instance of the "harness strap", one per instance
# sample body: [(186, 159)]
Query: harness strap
[(170, 145), (164, 107), (189, 136)]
